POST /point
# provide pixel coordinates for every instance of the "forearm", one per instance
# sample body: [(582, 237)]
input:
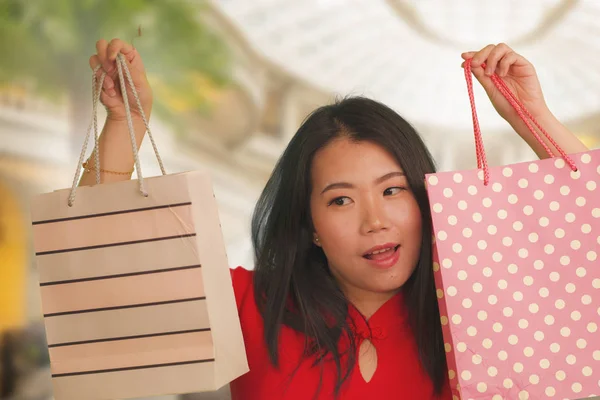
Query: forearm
[(115, 152), (559, 133)]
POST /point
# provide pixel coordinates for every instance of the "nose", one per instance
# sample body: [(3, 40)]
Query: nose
[(374, 217)]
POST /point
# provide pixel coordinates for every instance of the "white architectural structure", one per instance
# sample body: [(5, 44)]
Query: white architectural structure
[(291, 56)]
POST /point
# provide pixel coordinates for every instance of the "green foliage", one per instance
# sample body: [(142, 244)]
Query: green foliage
[(47, 45)]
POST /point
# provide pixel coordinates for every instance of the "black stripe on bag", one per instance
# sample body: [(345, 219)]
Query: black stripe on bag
[(128, 337), (102, 371), (48, 221), (98, 278), (100, 246), (158, 303)]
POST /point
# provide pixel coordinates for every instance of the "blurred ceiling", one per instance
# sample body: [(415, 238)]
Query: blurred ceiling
[(406, 53), (465, 24)]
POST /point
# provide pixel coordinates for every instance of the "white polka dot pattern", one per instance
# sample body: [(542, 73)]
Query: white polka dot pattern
[(522, 272)]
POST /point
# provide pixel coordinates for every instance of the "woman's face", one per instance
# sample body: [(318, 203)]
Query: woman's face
[(366, 218)]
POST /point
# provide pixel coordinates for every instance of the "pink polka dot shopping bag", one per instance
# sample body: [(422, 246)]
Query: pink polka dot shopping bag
[(517, 270)]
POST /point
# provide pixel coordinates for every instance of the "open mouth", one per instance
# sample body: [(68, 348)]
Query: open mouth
[(381, 254)]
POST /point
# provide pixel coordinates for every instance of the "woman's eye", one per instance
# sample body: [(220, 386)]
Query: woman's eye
[(340, 201), (392, 191)]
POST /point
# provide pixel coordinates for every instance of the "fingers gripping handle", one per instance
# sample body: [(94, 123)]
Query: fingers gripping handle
[(124, 79), (523, 113)]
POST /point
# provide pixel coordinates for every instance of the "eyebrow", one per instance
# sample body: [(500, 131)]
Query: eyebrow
[(346, 185)]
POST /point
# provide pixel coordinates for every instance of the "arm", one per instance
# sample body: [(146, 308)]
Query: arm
[(561, 135), (520, 76), (114, 142), (115, 151)]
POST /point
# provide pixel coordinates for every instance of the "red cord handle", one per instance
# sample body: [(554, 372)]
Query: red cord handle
[(523, 113)]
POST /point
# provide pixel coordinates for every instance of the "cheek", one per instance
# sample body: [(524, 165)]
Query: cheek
[(414, 221), (335, 229), (409, 225), (406, 216)]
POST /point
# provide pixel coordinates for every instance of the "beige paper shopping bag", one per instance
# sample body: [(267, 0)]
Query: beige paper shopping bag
[(135, 286)]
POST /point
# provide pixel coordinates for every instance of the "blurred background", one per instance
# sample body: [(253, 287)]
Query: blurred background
[(232, 81)]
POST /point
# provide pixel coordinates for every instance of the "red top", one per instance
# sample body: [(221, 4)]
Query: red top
[(398, 376)]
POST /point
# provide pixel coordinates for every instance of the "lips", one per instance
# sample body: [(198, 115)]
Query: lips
[(381, 252), (384, 256)]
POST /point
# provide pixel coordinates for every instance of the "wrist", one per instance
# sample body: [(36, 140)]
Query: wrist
[(543, 116), (116, 126), (121, 118)]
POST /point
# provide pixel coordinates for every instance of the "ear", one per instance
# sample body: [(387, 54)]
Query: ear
[(316, 240)]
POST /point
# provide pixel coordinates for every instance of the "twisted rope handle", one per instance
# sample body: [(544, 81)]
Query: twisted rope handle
[(523, 113), (123, 72)]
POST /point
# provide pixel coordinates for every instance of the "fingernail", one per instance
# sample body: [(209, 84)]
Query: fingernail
[(112, 92), (107, 68), (488, 72)]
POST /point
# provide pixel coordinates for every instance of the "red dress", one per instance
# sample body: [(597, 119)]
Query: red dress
[(398, 375)]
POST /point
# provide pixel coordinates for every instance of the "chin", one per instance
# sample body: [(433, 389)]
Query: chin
[(385, 283)]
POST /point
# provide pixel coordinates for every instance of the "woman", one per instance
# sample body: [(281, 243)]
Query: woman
[(342, 301)]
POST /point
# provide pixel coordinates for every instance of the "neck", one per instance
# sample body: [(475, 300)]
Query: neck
[(366, 302)]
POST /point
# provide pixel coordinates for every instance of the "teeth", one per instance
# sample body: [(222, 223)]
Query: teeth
[(381, 251)]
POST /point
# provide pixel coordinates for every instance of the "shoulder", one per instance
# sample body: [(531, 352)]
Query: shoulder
[(243, 285)]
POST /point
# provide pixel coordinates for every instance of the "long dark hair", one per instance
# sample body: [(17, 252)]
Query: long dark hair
[(293, 284)]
